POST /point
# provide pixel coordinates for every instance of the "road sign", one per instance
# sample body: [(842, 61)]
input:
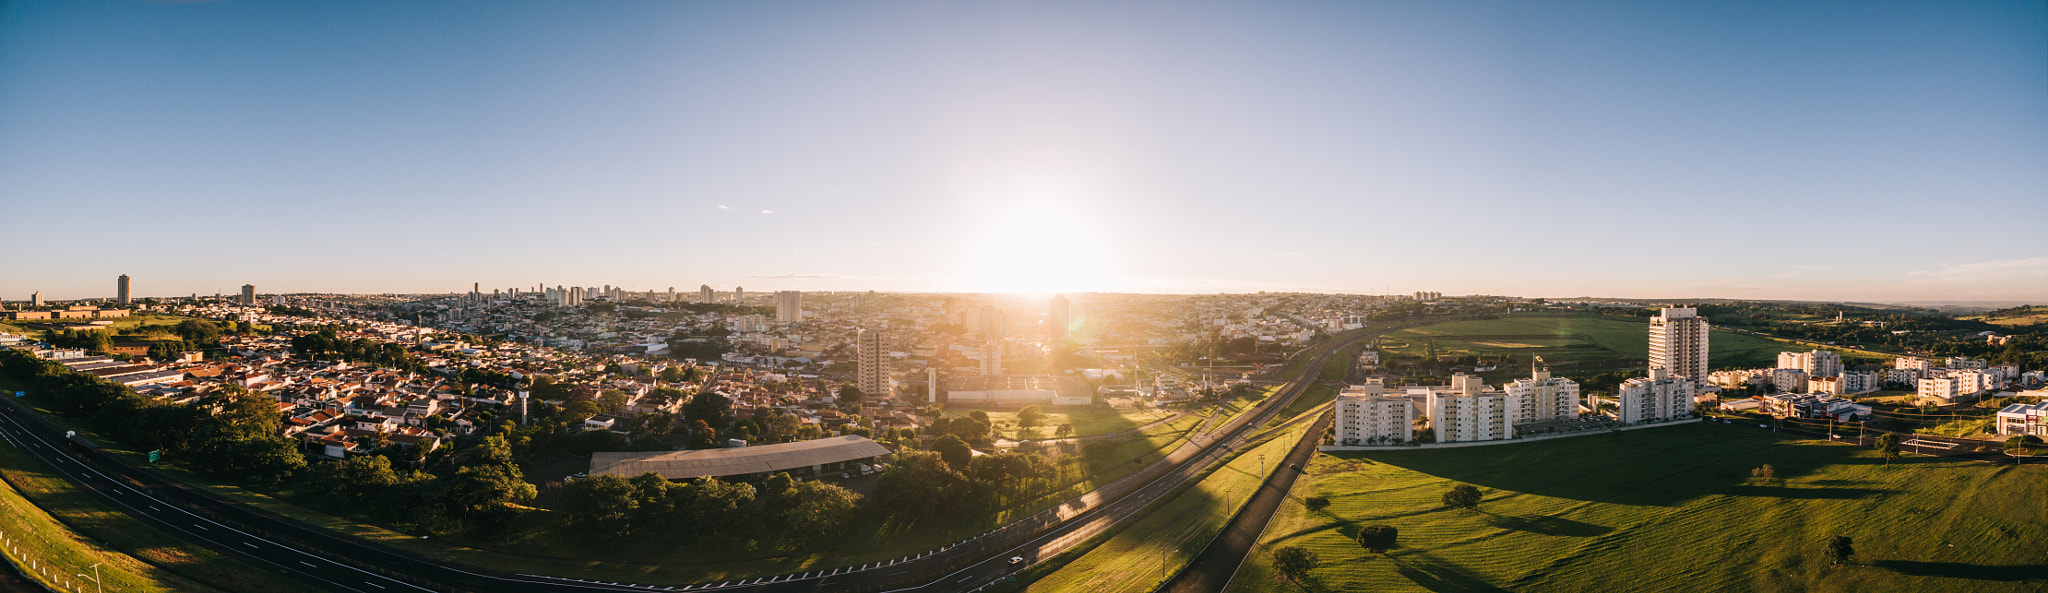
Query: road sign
[(20, 394), (155, 455)]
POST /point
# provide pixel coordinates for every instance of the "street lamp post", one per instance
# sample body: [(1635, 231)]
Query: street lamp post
[(95, 578)]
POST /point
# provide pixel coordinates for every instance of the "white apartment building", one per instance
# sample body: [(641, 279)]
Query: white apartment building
[(1789, 380), (1964, 362), (1818, 363), (1918, 365), (1542, 397), (872, 356), (1367, 416), (1660, 396), (1943, 389), (1678, 342), (1469, 410), (1907, 376)]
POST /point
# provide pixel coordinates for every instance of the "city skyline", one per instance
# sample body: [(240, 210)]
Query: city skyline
[(1565, 150)]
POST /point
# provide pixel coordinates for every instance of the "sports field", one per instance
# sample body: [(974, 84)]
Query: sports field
[(1667, 509), (1570, 343)]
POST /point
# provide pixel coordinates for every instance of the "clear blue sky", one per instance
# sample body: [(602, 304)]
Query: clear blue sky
[(1813, 150)]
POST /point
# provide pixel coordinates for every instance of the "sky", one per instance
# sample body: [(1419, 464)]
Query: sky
[(1863, 151)]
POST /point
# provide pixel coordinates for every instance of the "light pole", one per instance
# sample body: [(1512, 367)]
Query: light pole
[(95, 578)]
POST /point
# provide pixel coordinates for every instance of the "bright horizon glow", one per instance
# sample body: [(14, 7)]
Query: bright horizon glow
[(1037, 250), (1743, 149)]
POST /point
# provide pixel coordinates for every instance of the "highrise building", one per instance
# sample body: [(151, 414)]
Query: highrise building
[(872, 376), (706, 295), (1678, 342), (248, 295), (789, 306), (1056, 322), (1543, 397), (123, 289), (1661, 396), (1367, 416), (36, 300), (739, 295), (672, 295)]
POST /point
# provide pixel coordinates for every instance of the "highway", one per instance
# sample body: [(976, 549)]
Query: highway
[(342, 563)]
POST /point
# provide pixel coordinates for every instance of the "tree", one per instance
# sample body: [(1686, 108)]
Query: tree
[(953, 451), (710, 407), (1378, 538), (980, 416), (612, 400), (968, 429), (919, 485), (601, 505), (1063, 431), (1463, 496), (820, 512), (1294, 563), (1840, 548), (1766, 473), (578, 411), (1316, 503), (1029, 416), (671, 374), (1888, 446), (849, 394)]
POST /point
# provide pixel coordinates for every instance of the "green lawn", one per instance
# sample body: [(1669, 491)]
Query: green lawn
[(1315, 396), (1088, 421), (1667, 509), (1570, 343), (1135, 558), (55, 523)]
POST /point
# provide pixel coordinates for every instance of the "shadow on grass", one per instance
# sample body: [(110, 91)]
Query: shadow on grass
[(1440, 575), (1666, 466), (1546, 525), (1961, 570)]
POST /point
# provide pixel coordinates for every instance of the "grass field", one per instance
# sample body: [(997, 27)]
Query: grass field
[(1135, 558), (1668, 509), (1570, 343), (57, 524), (1087, 421)]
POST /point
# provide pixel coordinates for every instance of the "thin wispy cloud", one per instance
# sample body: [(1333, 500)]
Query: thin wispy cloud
[(1992, 269), (725, 208), (767, 211)]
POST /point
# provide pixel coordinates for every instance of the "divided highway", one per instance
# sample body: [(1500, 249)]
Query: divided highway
[(342, 563)]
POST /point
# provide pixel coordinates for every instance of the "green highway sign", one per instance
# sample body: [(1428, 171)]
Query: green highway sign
[(155, 455)]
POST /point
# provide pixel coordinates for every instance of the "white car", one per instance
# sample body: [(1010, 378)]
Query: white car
[(1016, 560)]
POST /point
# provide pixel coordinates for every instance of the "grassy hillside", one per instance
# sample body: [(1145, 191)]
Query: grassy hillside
[(1570, 343), (1669, 509), (56, 524)]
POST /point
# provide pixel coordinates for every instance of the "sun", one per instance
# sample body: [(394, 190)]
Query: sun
[(1037, 250)]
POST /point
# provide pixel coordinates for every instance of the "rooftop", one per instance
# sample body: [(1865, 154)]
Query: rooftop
[(681, 465)]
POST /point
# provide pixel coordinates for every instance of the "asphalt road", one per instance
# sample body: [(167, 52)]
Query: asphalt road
[(341, 563), (1213, 568)]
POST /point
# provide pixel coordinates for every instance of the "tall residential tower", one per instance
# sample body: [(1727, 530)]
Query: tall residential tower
[(873, 375), (1678, 342)]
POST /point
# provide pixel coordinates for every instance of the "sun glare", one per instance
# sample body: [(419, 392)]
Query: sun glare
[(1037, 250)]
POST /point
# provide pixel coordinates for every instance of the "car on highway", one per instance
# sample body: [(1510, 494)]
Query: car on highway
[(1016, 560)]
